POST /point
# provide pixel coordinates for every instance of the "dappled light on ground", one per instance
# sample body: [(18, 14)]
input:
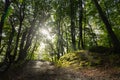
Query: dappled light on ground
[(44, 70), (42, 66)]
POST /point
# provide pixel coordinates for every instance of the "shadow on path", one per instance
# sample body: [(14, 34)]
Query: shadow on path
[(44, 70)]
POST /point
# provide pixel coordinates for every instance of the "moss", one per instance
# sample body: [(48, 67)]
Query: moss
[(68, 59), (76, 59), (84, 58)]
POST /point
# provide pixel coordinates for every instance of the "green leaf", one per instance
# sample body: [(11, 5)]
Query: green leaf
[(20, 1)]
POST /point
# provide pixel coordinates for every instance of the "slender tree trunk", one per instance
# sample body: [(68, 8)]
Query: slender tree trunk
[(8, 56), (66, 35), (22, 43), (17, 40), (33, 50), (72, 16), (7, 4), (80, 42), (21, 18), (93, 35), (58, 41), (114, 39), (85, 21)]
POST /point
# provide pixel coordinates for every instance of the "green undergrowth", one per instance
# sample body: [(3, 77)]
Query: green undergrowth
[(83, 58)]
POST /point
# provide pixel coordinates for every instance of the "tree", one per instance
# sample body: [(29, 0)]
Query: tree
[(3, 17), (115, 41), (72, 16), (21, 23), (80, 42)]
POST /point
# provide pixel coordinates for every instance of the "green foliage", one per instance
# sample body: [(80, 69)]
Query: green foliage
[(33, 57), (20, 1), (46, 56)]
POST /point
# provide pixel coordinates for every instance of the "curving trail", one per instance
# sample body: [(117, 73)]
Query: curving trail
[(44, 70)]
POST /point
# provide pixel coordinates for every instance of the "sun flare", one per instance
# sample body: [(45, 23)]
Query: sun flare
[(46, 33)]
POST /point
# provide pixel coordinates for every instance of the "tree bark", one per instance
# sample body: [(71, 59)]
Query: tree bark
[(80, 42), (8, 56), (7, 4), (72, 16), (21, 18)]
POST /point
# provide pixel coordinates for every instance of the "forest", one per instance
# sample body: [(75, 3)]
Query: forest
[(65, 33)]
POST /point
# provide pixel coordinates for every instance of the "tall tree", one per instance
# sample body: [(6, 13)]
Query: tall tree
[(7, 5), (80, 42), (114, 39), (21, 16), (72, 16), (8, 56)]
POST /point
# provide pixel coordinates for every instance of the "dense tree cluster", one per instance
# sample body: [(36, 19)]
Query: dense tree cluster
[(85, 24), (19, 22)]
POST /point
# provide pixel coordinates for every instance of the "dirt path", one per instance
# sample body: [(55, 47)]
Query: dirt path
[(44, 70)]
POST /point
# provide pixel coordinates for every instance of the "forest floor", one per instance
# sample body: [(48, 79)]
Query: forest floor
[(44, 70)]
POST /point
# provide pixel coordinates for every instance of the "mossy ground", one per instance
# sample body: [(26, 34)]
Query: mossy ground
[(83, 58)]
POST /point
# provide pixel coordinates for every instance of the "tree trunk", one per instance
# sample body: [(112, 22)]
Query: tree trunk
[(59, 38), (114, 39), (94, 37), (26, 41), (72, 16), (21, 18), (9, 49), (7, 4), (80, 42)]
